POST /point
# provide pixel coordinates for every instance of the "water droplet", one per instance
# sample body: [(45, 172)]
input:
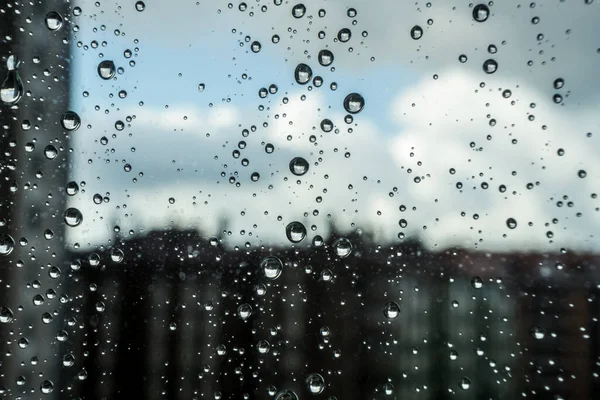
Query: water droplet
[(116, 255), (298, 166), (54, 21), (477, 282), (557, 98), (70, 121), (490, 66), (303, 74), (342, 247), (271, 267), (244, 311), (50, 152), (201, 87), (559, 83), (286, 395), (325, 57), (255, 46), (106, 69), (481, 12), (511, 223), (388, 389), (344, 35), (6, 315), (73, 217), (326, 125), (7, 244), (315, 383), (464, 383), (354, 103), (581, 173), (538, 332), (263, 346), (416, 32), (298, 10), (46, 387), (351, 12), (391, 310), (295, 232), (140, 6), (11, 89)]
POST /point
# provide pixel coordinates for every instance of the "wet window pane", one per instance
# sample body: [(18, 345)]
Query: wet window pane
[(285, 200)]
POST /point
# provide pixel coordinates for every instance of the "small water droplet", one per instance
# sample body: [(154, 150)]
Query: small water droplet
[(106, 69), (325, 57), (344, 35), (286, 395), (54, 21), (511, 223), (416, 32), (11, 90), (391, 310), (271, 267), (490, 66), (342, 247), (140, 6), (7, 244), (244, 311), (315, 383), (6, 315), (298, 10), (46, 387), (303, 74), (73, 217), (464, 383), (481, 12), (295, 232), (538, 332), (354, 103), (70, 121), (298, 166), (255, 46), (559, 83), (50, 152)]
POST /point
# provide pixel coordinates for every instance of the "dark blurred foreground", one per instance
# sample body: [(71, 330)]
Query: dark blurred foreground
[(163, 323)]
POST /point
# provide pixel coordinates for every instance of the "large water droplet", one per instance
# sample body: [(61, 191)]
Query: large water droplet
[(54, 21), (295, 232), (326, 125), (344, 35), (315, 383), (303, 74), (481, 12), (70, 121), (255, 46), (511, 223), (416, 32), (325, 57), (11, 89), (50, 152), (6, 315), (298, 166), (490, 66), (391, 310), (106, 69), (271, 267), (73, 217), (244, 311), (7, 244), (354, 103), (342, 247), (140, 6), (477, 282), (286, 395), (299, 10)]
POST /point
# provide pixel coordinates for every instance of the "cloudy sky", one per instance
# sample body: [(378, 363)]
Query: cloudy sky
[(425, 114)]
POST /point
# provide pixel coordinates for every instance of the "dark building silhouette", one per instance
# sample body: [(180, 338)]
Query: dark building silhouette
[(164, 322)]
